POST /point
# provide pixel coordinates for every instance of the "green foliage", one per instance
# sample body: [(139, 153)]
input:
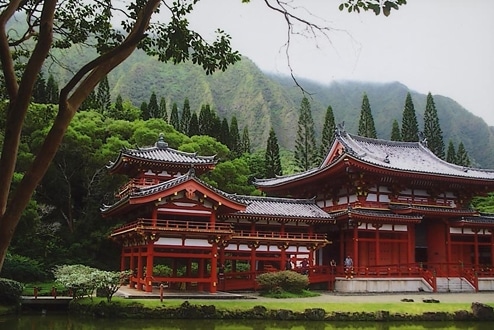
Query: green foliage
[(103, 96), (185, 118), (451, 153), (409, 125), (23, 269), (328, 132), (366, 127), (462, 158), (272, 157), (232, 176), (432, 128), (306, 153), (10, 291), (174, 117), (377, 6), (286, 280), (203, 145), (162, 270), (484, 204), (395, 131)]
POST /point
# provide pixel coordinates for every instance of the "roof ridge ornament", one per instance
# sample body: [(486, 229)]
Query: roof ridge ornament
[(340, 128), (161, 144), (422, 139)]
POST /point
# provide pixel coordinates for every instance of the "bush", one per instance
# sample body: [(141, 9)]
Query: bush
[(286, 280), (23, 269), (10, 291)]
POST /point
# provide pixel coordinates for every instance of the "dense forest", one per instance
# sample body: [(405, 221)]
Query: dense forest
[(251, 124)]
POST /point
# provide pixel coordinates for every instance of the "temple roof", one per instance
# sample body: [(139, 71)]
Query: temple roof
[(374, 215), (480, 220), (280, 207), (159, 156), (402, 157)]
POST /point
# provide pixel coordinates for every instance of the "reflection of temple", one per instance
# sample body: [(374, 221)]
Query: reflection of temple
[(400, 212)]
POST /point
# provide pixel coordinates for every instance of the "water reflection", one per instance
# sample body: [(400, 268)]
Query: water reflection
[(65, 322)]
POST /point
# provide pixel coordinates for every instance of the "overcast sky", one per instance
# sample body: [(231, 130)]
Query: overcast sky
[(445, 47)]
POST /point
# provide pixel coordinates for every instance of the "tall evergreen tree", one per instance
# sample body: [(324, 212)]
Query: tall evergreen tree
[(235, 138), (117, 110), (185, 119), (272, 156), (193, 125), (395, 131), (103, 96), (39, 91), (153, 108), (306, 153), (462, 158), (163, 113), (144, 111), (366, 127), (225, 133), (409, 125), (327, 133), (245, 140), (90, 102), (52, 92), (432, 129), (451, 153), (174, 119), (205, 120)]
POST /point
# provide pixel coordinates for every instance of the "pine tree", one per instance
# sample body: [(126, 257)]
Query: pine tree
[(90, 102), (39, 91), (462, 158), (144, 111), (193, 125), (306, 153), (215, 126), (117, 110), (163, 113), (153, 108), (103, 96), (366, 127), (51, 90), (432, 129), (327, 133), (272, 156), (245, 140), (185, 119), (395, 131), (205, 120), (409, 125), (174, 120), (451, 153), (225, 133), (235, 138)]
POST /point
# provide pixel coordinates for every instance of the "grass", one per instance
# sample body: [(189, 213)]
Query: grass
[(411, 308)]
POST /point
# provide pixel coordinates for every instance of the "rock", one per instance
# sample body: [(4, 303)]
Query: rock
[(482, 312)]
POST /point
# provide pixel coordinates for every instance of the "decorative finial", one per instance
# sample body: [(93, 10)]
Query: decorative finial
[(161, 142)]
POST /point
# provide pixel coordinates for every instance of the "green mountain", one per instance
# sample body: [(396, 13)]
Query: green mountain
[(262, 101)]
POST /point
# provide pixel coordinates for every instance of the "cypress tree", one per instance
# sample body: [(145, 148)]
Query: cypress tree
[(215, 126), (409, 125), (327, 133), (90, 102), (235, 138), (245, 140), (205, 120), (185, 119), (117, 110), (272, 156), (163, 114), (193, 125), (451, 153), (225, 133), (144, 111), (103, 96), (39, 91), (306, 153), (432, 129), (395, 131), (51, 90), (153, 108), (174, 120), (462, 158), (366, 127)]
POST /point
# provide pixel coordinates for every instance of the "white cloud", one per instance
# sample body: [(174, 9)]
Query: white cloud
[(442, 46)]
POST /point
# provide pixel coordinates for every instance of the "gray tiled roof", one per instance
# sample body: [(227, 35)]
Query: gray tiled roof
[(281, 207), (412, 157), (481, 219), (377, 214)]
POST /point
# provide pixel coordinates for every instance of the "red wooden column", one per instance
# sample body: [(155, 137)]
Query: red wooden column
[(132, 266), (411, 243), (214, 268), (149, 266), (139, 268), (377, 244), (476, 245), (492, 246), (355, 247), (311, 250)]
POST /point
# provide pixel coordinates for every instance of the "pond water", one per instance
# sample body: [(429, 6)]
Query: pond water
[(66, 322)]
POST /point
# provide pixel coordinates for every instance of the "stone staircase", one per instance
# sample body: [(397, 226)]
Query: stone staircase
[(453, 284)]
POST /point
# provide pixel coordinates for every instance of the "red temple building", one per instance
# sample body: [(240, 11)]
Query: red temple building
[(401, 213)]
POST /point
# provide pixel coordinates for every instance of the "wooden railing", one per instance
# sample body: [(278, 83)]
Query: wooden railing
[(131, 185), (277, 235), (160, 225)]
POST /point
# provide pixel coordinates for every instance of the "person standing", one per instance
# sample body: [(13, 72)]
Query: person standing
[(348, 267)]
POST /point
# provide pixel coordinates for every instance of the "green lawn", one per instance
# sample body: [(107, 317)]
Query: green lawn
[(411, 308)]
